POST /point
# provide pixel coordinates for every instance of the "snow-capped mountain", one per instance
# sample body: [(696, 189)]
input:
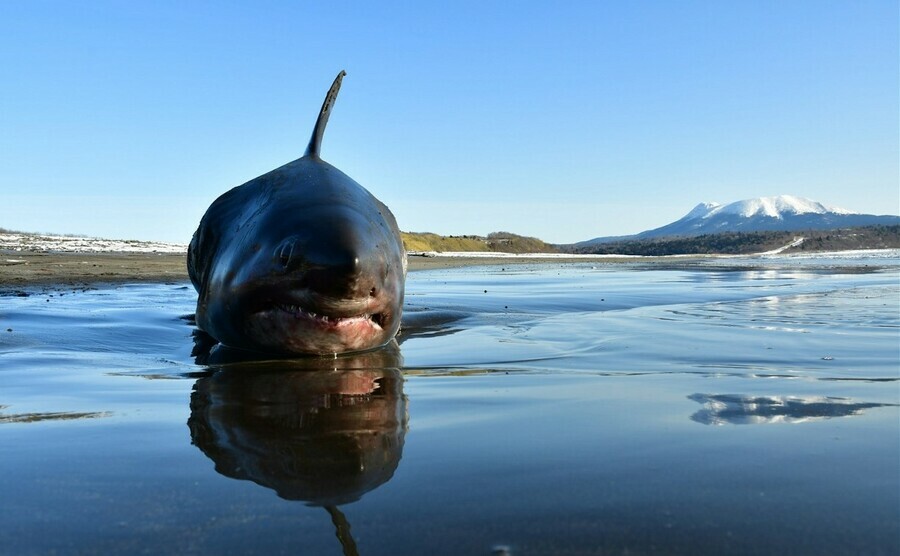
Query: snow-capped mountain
[(780, 213), (773, 207)]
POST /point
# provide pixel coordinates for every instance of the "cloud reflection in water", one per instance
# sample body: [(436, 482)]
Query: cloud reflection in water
[(721, 409)]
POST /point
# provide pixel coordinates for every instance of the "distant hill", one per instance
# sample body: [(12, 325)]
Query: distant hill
[(745, 243), (781, 213), (504, 242)]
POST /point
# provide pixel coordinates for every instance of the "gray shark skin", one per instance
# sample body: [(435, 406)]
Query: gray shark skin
[(301, 260)]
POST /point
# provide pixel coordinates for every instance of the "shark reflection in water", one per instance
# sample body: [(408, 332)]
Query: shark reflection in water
[(318, 430), (720, 409)]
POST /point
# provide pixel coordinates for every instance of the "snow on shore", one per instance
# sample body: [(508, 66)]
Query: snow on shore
[(14, 241), (774, 254), (500, 255), (849, 254)]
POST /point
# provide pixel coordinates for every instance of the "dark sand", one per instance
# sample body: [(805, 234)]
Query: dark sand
[(21, 270)]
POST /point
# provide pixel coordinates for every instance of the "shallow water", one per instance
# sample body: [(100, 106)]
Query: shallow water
[(746, 407)]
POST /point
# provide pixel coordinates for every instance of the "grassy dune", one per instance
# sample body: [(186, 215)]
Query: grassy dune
[(504, 242)]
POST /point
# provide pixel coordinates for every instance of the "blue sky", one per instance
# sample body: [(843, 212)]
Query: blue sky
[(561, 120)]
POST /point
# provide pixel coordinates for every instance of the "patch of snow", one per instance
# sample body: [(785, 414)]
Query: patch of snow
[(849, 254), (499, 255), (797, 241), (12, 241)]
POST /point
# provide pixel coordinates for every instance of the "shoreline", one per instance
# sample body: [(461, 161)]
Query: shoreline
[(29, 270)]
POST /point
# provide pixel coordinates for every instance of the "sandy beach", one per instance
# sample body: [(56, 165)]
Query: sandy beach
[(20, 270)]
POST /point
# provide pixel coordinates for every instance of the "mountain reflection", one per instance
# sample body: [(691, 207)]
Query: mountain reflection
[(720, 409)]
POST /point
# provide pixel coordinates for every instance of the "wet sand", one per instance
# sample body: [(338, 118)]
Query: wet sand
[(20, 270), (23, 269)]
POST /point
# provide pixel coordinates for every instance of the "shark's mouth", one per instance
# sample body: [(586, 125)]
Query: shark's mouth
[(325, 320), (317, 326)]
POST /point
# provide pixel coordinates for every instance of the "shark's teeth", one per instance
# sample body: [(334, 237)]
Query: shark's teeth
[(300, 312)]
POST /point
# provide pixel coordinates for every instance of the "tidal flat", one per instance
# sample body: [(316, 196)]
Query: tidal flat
[(727, 406)]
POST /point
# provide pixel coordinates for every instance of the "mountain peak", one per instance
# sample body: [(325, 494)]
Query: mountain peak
[(702, 210), (773, 207)]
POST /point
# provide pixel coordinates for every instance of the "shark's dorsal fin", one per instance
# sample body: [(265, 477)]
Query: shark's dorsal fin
[(342, 531), (315, 142)]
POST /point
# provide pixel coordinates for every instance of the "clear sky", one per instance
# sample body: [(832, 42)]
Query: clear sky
[(561, 120)]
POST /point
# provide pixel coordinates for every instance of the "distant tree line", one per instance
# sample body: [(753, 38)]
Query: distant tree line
[(745, 243)]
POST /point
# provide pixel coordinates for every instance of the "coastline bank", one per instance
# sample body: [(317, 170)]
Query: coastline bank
[(66, 270), (24, 271)]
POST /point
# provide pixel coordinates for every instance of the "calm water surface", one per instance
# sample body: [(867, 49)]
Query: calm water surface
[(555, 409)]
